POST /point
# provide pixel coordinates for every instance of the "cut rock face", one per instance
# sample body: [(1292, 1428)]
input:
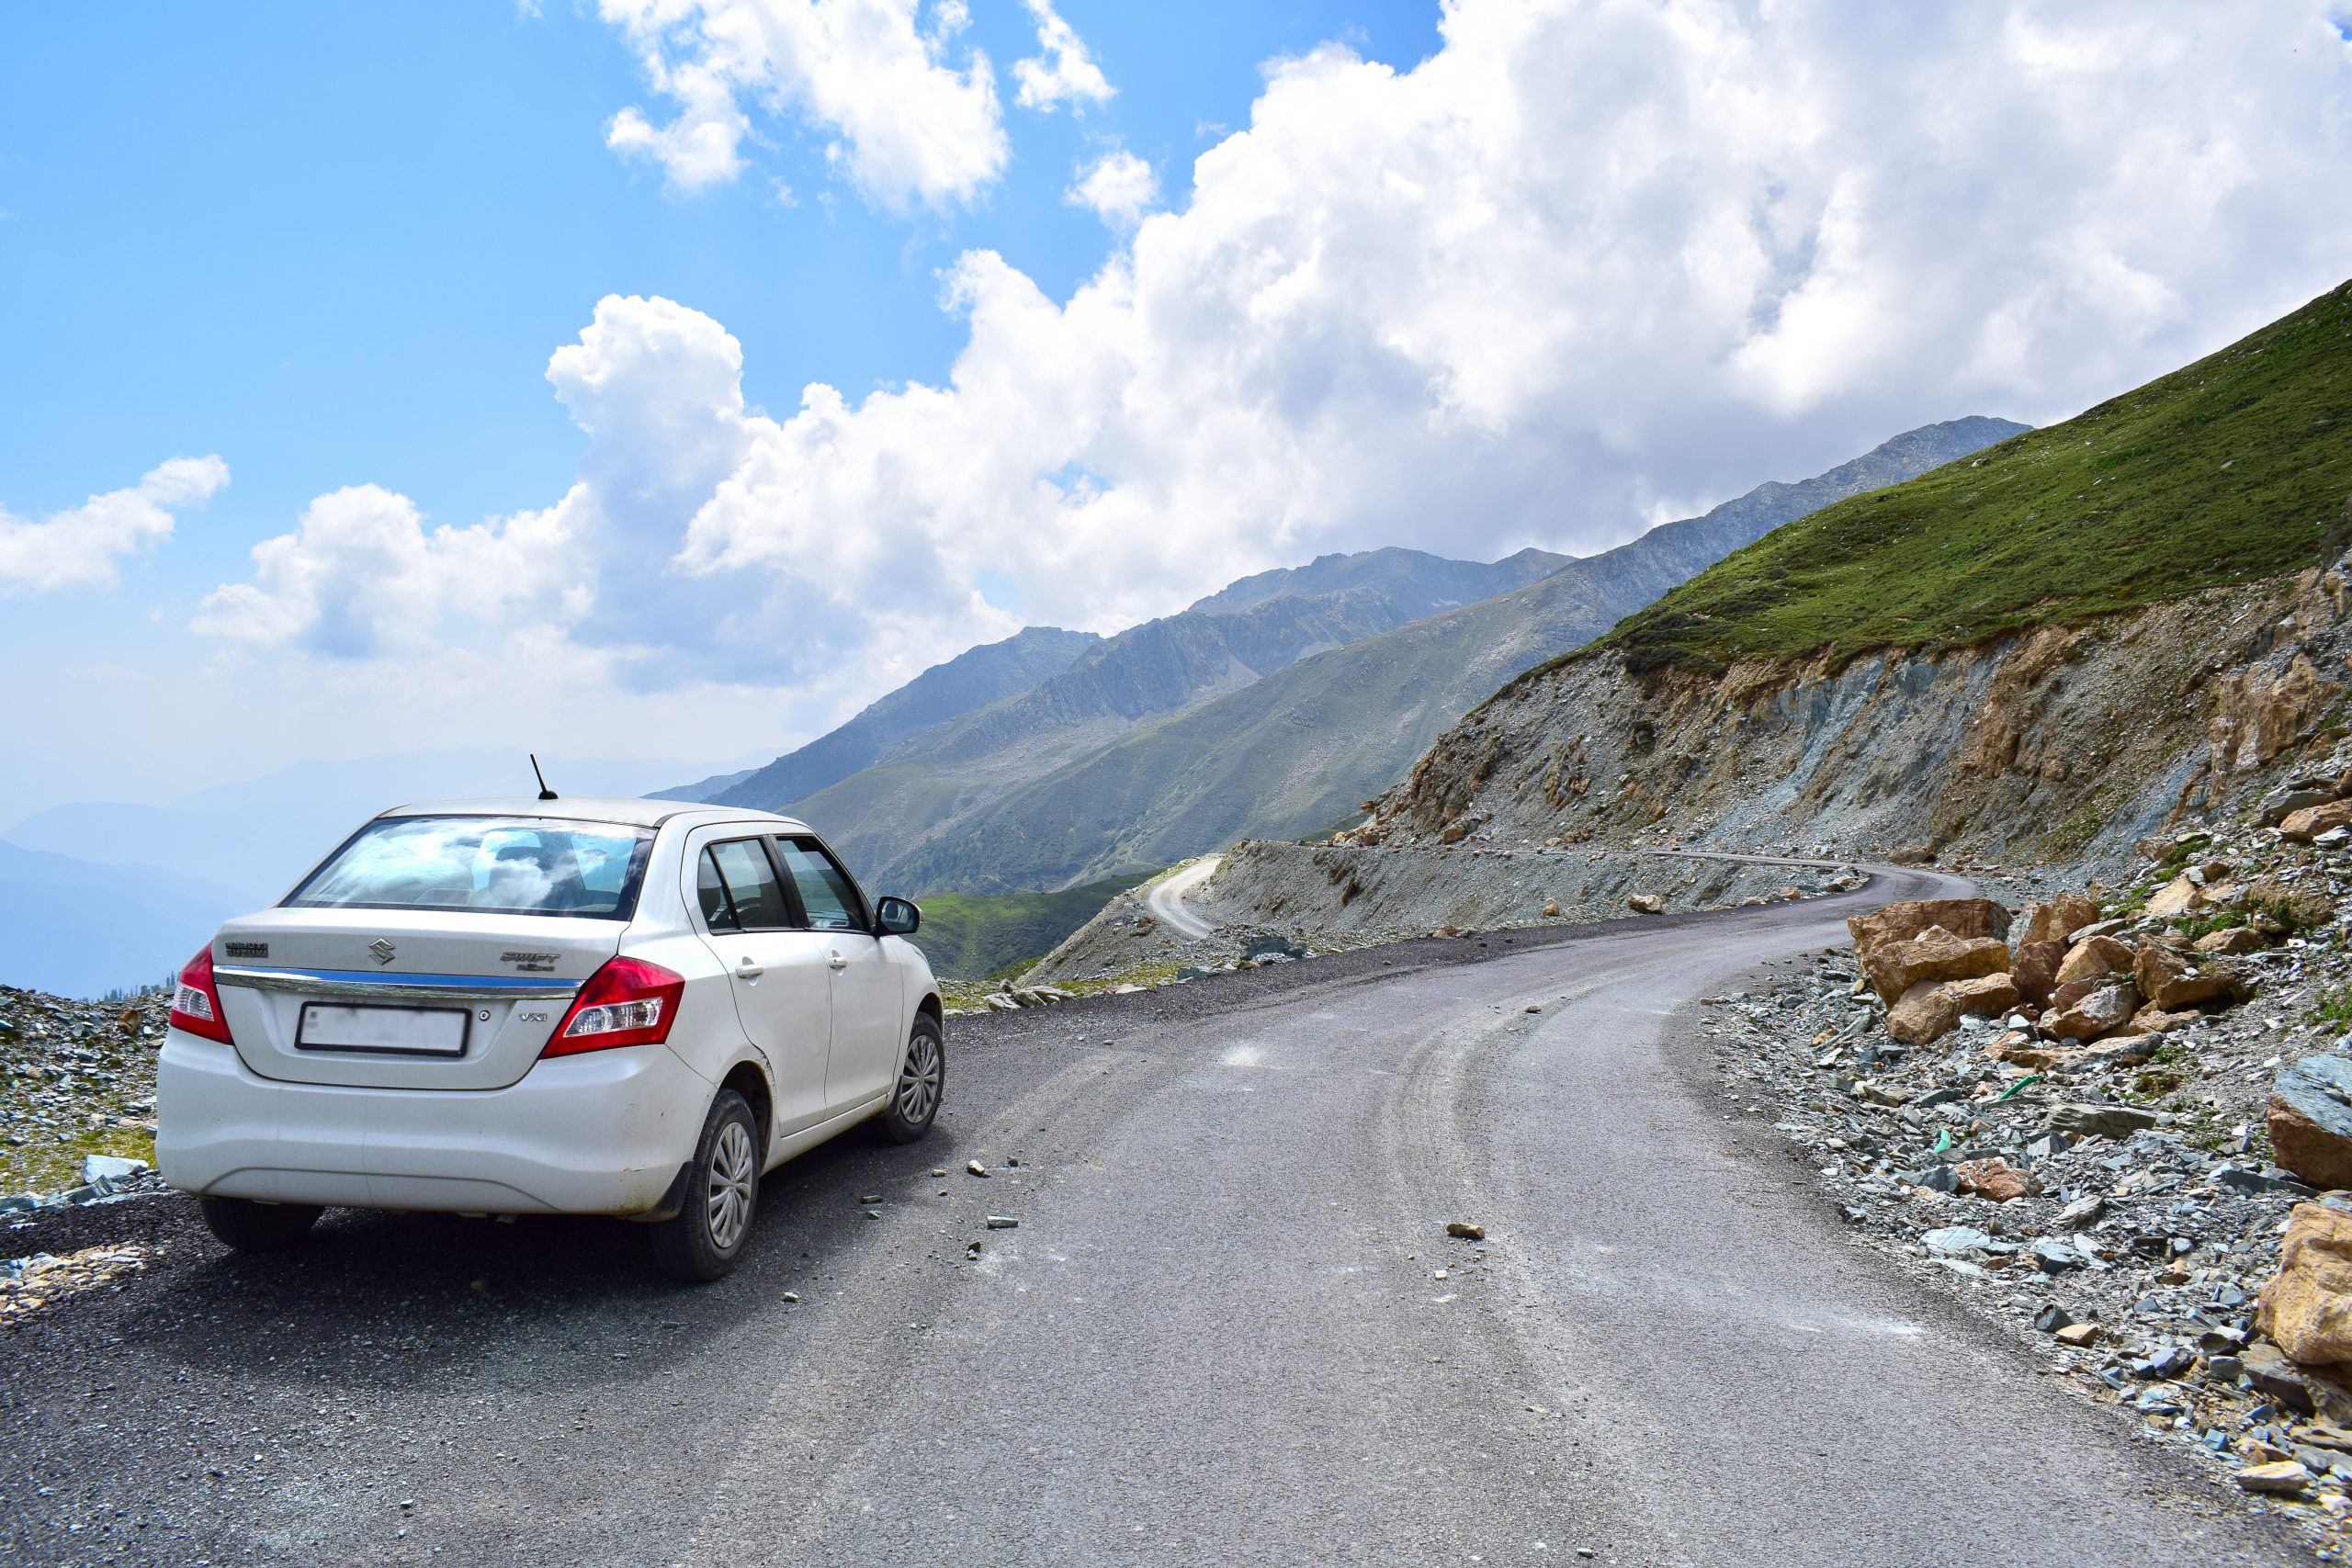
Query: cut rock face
[(2307, 1308), (2311, 1120)]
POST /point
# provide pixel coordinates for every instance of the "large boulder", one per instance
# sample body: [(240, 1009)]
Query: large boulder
[(2288, 800), (2311, 1120), (2307, 1307), (2099, 955), (2232, 941), (2059, 919), (1928, 1011), (2066, 996), (1995, 1180), (2107, 1011), (2034, 967), (1931, 957), (1901, 922), (2312, 820), (2190, 892), (2174, 980), (2087, 1120)]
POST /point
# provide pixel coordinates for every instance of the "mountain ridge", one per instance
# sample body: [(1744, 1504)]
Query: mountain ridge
[(1288, 753)]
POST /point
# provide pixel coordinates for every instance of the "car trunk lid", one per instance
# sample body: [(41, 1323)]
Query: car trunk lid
[(401, 999)]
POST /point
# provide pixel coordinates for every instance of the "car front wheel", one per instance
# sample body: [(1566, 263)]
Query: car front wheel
[(704, 1240), (922, 1078)]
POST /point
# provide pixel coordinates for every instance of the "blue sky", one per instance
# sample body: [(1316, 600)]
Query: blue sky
[(669, 377), (337, 242)]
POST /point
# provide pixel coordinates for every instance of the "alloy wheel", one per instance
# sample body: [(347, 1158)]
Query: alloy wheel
[(731, 1175), (919, 1079)]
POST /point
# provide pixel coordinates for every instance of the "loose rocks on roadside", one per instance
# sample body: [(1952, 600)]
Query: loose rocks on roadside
[(2090, 1159)]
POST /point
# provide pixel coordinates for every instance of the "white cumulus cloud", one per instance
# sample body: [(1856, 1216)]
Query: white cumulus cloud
[(1062, 71), (910, 122), (1119, 187), (79, 547), (1592, 263), (361, 577)]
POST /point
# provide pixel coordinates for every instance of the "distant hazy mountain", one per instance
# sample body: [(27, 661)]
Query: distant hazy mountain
[(1063, 787), (76, 929), (252, 839), (973, 679)]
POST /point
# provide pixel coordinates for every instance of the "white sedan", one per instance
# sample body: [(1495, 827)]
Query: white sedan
[(580, 1007)]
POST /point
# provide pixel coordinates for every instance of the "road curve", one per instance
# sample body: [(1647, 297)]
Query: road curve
[(1165, 899), (1217, 1335)]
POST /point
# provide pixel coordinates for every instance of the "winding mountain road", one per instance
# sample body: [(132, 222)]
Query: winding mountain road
[(1165, 899), (1229, 1325)]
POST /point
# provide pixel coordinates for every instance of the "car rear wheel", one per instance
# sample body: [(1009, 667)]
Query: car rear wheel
[(259, 1227), (922, 1079), (705, 1238)]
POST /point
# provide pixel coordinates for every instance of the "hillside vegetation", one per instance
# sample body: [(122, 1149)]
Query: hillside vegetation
[(2237, 467), (969, 937)]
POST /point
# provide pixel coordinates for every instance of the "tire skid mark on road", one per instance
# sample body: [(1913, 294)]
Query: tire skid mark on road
[(790, 1471), (1433, 1155)]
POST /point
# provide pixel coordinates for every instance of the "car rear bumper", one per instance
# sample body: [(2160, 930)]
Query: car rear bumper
[(603, 1132)]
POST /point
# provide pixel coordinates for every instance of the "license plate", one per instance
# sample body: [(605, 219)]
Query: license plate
[(420, 1032)]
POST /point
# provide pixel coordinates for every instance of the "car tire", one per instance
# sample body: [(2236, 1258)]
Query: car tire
[(707, 1236), (922, 1083), (249, 1226)]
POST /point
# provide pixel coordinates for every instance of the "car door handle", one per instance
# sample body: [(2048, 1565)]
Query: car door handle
[(749, 970), (837, 960)]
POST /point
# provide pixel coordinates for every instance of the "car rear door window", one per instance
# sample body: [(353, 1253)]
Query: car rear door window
[(825, 891), (739, 889)]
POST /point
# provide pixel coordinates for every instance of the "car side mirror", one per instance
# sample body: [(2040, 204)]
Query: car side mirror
[(898, 917)]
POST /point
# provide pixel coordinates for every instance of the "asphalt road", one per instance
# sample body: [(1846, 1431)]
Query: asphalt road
[(1217, 1335), (1165, 899)]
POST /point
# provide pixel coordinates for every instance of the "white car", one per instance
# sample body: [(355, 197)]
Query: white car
[(578, 1007)]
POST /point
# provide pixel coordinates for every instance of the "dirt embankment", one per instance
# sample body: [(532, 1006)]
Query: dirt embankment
[(2061, 747)]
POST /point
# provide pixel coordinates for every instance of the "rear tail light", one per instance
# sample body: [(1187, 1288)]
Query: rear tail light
[(627, 1003), (196, 1004)]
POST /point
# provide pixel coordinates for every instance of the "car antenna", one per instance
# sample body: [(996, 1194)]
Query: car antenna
[(545, 793)]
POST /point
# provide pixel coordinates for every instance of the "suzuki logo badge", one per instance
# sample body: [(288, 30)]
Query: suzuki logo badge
[(383, 950)]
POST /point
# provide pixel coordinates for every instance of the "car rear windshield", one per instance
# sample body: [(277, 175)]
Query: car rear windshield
[(492, 865)]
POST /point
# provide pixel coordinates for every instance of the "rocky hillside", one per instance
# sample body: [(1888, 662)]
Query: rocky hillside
[(2042, 654), (904, 816), (972, 680)]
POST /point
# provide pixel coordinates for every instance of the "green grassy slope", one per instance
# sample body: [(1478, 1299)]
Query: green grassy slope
[(2238, 467), (969, 936)]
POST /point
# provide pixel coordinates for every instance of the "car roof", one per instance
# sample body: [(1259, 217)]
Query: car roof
[(623, 809)]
